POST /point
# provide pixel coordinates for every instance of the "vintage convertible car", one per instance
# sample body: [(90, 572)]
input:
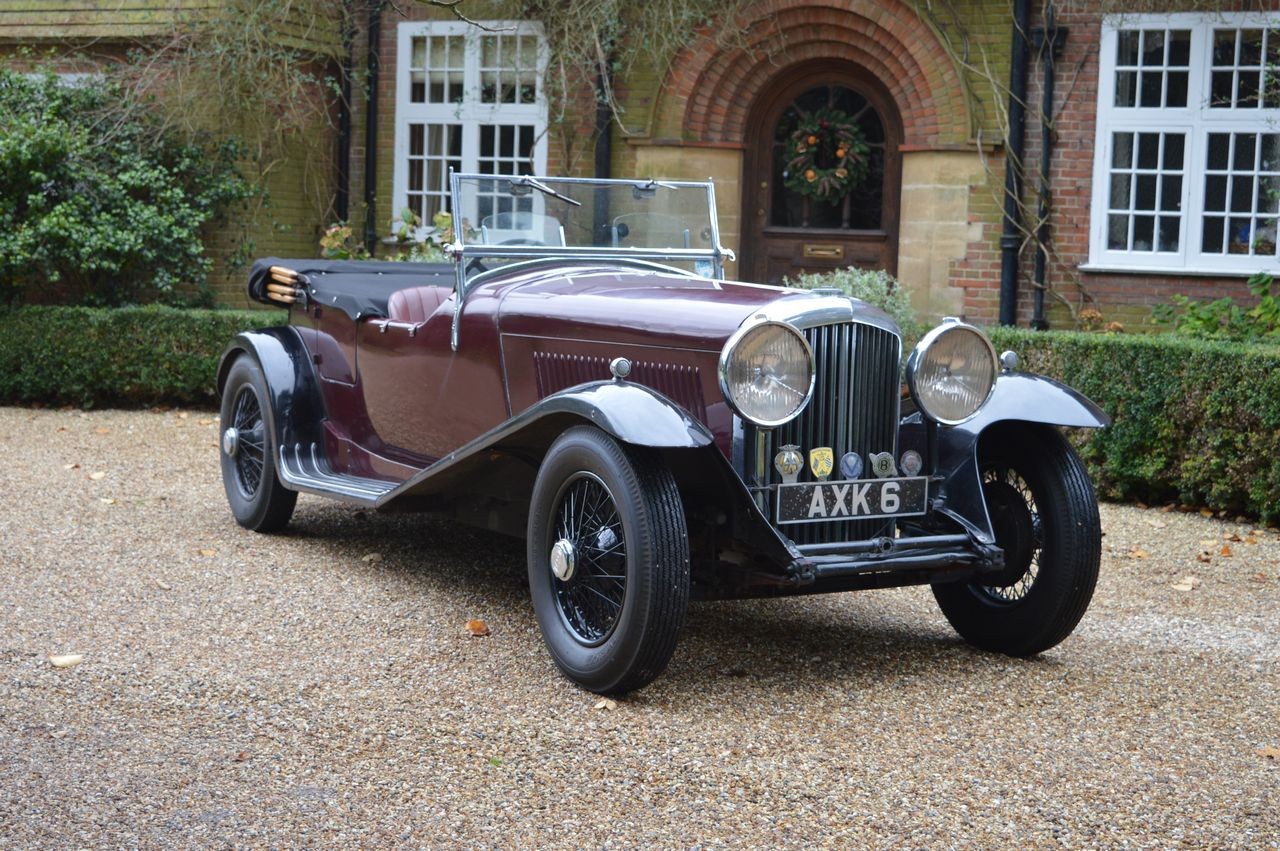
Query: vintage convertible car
[(583, 376)]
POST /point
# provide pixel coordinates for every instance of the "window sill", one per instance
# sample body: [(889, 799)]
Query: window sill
[(1173, 270)]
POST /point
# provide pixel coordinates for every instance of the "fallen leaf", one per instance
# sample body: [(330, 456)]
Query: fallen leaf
[(1204, 512), (106, 500), (1225, 551), (183, 415), (205, 422), (371, 558), (1207, 544), (606, 704), (102, 430), (98, 476), (240, 757), (1251, 539), (163, 586), (71, 466), (1258, 577), (1183, 586), (1269, 753), (1203, 557), (477, 627), (1159, 524), (208, 552), (1138, 553), (1232, 536), (68, 660), (1167, 508)]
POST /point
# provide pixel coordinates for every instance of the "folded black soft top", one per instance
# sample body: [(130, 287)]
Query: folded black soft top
[(359, 288)]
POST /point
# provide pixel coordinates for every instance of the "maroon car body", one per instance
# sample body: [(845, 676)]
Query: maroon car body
[(578, 369)]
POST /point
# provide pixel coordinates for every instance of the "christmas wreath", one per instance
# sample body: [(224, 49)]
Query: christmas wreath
[(827, 156)]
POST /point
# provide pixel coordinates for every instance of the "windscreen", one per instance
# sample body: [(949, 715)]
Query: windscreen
[(566, 214)]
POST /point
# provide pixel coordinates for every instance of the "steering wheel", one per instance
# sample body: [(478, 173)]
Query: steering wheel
[(476, 266)]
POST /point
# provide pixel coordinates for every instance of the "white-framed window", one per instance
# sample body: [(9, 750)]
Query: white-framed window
[(1187, 157), (467, 99)]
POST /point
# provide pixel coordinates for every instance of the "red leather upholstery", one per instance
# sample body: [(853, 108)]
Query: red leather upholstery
[(417, 304)]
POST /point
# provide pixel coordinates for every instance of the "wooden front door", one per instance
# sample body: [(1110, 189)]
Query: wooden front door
[(786, 232)]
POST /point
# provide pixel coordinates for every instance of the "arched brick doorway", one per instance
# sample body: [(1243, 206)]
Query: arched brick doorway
[(785, 233)]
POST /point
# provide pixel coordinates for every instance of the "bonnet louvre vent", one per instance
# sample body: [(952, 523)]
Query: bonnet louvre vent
[(681, 384)]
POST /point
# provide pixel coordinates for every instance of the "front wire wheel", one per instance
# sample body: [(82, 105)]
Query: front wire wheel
[(608, 561), (1045, 517)]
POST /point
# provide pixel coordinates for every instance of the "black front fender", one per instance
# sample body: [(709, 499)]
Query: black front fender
[(296, 406), (1017, 397)]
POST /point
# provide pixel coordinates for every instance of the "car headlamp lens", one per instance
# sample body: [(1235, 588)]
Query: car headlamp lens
[(951, 372), (766, 373)]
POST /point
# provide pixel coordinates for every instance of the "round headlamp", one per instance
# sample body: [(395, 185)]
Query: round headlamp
[(766, 373), (951, 372)]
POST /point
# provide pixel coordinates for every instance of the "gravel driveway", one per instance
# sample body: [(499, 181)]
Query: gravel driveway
[(319, 688)]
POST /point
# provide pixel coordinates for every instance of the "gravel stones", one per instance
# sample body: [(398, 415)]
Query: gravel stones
[(289, 690)]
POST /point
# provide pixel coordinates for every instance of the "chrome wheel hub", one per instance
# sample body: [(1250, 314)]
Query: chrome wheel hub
[(563, 560), (231, 442)]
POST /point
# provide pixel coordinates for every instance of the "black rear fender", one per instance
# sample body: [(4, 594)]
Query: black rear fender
[(296, 407)]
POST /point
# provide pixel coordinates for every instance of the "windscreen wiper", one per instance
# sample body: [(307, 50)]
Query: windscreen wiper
[(526, 182)]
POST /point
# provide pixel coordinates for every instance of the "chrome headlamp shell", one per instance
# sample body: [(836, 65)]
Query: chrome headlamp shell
[(767, 373), (952, 372)]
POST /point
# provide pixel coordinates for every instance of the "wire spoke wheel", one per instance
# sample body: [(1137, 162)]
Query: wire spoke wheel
[(588, 527), (255, 494), (1013, 503), (608, 560), (251, 449), (1044, 516)]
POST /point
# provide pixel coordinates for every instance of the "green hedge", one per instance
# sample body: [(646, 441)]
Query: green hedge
[(122, 356), (1192, 421)]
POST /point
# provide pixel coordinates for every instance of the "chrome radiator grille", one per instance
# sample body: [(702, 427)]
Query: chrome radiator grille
[(854, 407)]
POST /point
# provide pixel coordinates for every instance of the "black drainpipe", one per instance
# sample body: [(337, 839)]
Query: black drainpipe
[(1010, 239), (342, 197), (371, 131), (1049, 40), (603, 157)]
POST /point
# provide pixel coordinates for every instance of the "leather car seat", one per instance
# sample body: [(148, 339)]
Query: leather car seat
[(415, 305)]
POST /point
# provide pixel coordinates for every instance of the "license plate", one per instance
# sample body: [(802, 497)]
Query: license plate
[(818, 502)]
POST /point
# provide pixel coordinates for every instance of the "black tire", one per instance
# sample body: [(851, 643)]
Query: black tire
[(611, 624), (1045, 515), (257, 498)]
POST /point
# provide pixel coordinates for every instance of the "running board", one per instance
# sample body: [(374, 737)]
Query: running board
[(307, 470)]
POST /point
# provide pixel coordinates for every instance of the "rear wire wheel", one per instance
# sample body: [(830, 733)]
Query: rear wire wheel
[(1045, 517), (608, 561), (258, 500)]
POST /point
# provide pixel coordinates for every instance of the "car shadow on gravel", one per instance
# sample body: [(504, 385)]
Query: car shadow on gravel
[(851, 641)]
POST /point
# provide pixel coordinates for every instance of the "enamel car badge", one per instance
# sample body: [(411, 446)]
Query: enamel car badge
[(882, 465), (789, 462), (821, 461), (850, 465)]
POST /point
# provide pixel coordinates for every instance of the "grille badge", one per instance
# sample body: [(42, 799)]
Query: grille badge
[(882, 465), (820, 462), (789, 462), (850, 465)]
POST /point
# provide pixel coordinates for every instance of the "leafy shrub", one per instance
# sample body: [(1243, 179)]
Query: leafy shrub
[(125, 356), (874, 286), (1192, 421), (1223, 319), (339, 241), (100, 204)]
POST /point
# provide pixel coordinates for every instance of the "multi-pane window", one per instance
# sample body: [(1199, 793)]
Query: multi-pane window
[(1187, 161), (467, 100)]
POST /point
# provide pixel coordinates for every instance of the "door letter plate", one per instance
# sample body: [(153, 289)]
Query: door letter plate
[(824, 252)]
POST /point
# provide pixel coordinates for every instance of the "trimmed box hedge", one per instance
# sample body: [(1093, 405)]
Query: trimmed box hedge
[(1194, 422), (125, 356)]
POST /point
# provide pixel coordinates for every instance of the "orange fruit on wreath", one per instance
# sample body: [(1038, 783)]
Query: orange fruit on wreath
[(813, 140), (810, 175), (840, 153)]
